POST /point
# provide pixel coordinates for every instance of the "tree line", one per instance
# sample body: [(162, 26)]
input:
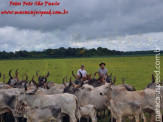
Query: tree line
[(68, 52)]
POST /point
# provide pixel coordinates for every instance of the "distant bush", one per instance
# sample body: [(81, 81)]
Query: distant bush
[(68, 52)]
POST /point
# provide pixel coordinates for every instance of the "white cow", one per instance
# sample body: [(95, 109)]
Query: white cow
[(129, 109), (67, 102), (88, 111), (37, 114)]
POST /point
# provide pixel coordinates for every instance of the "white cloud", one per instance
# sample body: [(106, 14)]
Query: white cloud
[(135, 42), (13, 39)]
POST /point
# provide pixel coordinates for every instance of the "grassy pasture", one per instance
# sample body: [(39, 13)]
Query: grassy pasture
[(137, 70)]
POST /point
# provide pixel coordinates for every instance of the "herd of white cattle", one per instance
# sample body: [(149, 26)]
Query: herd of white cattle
[(44, 101)]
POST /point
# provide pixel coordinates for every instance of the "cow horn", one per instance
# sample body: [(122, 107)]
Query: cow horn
[(3, 78), (25, 86), (74, 75), (34, 82), (36, 86), (80, 75), (95, 74), (64, 82), (113, 81), (47, 74), (31, 80), (78, 86), (16, 73), (10, 74), (71, 83), (37, 74), (153, 78), (26, 77)]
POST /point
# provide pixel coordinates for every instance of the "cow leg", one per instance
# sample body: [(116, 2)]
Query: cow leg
[(98, 115), (137, 118), (59, 120), (119, 119), (152, 116), (161, 118), (93, 118), (104, 113), (87, 119), (113, 119), (16, 119), (143, 116), (123, 119), (109, 112), (73, 118)]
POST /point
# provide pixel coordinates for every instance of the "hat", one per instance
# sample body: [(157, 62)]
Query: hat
[(101, 64), (82, 65)]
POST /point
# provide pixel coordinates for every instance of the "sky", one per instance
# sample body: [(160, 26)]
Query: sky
[(125, 25)]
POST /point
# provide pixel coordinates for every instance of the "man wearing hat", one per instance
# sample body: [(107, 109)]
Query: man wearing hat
[(102, 72), (81, 72)]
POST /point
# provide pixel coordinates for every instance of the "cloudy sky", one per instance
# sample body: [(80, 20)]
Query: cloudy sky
[(125, 25)]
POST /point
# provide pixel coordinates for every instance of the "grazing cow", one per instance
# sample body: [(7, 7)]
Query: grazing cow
[(37, 114), (88, 111), (67, 102), (129, 109)]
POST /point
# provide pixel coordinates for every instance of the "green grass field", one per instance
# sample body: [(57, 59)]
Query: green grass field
[(137, 71)]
